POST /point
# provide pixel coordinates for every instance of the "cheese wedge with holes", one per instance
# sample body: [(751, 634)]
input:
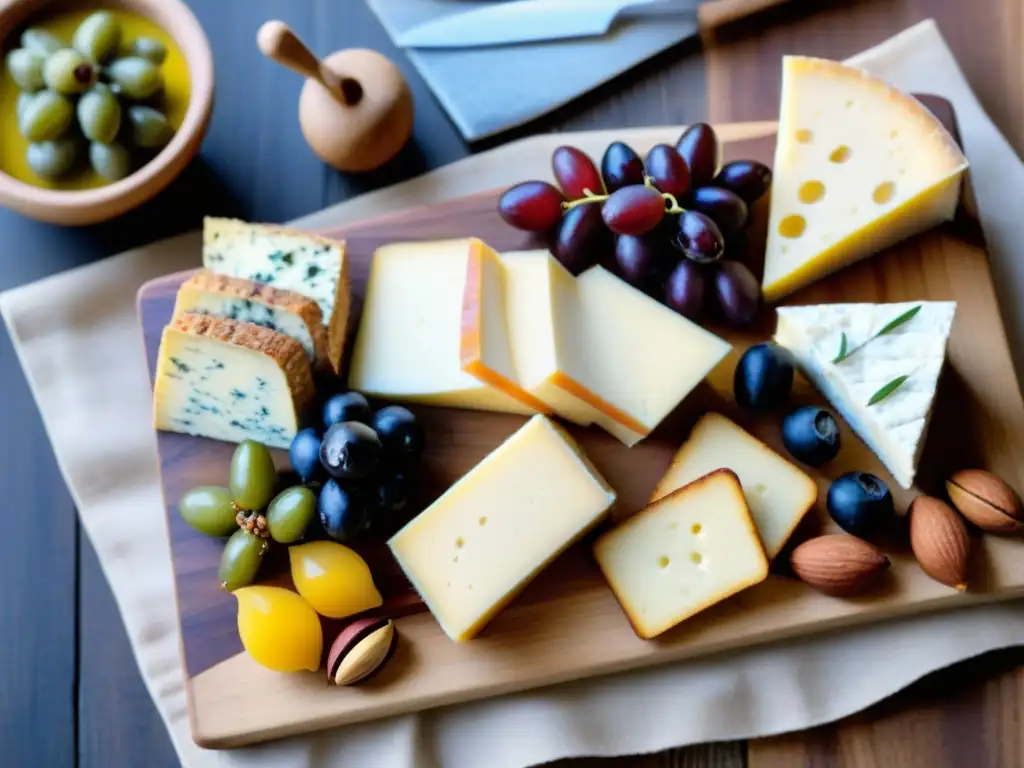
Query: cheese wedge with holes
[(472, 551), (230, 381), (434, 329), (859, 166), (285, 258), (777, 492), (683, 553), (236, 298)]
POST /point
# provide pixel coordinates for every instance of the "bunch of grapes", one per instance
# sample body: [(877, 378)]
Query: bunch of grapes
[(669, 224)]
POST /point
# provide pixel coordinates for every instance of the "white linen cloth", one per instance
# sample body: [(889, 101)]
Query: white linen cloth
[(85, 319)]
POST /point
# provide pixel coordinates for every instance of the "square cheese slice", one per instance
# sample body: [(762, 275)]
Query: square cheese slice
[(858, 167), (434, 329), (236, 298), (683, 553), (882, 345), (285, 258), (472, 551), (777, 492), (230, 381)]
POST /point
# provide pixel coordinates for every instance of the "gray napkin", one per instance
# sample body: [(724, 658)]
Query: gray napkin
[(488, 90)]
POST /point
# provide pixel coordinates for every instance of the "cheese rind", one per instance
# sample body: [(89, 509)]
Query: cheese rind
[(777, 492), (895, 427), (475, 548), (683, 553), (230, 381), (235, 298), (886, 167), (285, 258)]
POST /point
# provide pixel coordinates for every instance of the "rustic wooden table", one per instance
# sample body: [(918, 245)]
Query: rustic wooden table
[(70, 693)]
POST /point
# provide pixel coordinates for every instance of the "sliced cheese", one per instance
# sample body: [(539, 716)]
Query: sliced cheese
[(230, 381), (683, 553), (778, 493), (472, 551), (433, 329), (895, 426), (284, 258), (858, 167), (236, 298)]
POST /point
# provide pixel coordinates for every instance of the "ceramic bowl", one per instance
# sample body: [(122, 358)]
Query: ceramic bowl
[(78, 207)]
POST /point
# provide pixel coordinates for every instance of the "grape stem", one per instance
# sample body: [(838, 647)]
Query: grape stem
[(671, 204)]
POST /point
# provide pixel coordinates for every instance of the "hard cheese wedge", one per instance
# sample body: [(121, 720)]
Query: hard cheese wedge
[(230, 381), (478, 545), (858, 167), (879, 365), (778, 494), (434, 329), (683, 553), (283, 258), (236, 298)]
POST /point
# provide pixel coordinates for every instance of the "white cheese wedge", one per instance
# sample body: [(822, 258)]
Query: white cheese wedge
[(683, 553), (284, 258), (230, 381), (236, 298), (896, 425), (472, 551), (778, 493), (859, 166), (434, 329)]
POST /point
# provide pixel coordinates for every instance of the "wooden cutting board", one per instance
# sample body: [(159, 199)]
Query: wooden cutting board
[(567, 625)]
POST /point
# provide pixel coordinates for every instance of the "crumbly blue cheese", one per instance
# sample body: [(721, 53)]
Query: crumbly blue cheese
[(896, 425), (282, 258), (230, 381)]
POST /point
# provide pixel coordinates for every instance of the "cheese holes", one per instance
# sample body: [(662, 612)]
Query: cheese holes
[(760, 489), (696, 529), (455, 559), (811, 192), (840, 154), (460, 543), (482, 521), (663, 562), (803, 136), (697, 558), (849, 103), (792, 226), (893, 133), (883, 192)]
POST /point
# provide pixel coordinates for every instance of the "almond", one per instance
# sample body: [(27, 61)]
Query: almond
[(838, 564), (940, 542), (986, 500)]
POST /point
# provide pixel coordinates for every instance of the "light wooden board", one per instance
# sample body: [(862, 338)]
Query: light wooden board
[(567, 625)]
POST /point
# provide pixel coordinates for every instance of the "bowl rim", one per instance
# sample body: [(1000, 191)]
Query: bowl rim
[(182, 25)]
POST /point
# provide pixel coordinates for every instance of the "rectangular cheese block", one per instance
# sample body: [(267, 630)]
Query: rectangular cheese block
[(235, 298), (472, 551), (230, 381), (777, 492), (683, 553), (285, 258), (434, 330)]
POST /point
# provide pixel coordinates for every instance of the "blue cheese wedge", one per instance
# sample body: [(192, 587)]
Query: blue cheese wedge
[(284, 258), (236, 298), (879, 365), (230, 381)]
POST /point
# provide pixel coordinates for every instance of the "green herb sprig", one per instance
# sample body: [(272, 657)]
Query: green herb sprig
[(888, 389), (845, 352)]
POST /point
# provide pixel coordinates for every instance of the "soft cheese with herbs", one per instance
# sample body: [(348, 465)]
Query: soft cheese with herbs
[(230, 381), (879, 365)]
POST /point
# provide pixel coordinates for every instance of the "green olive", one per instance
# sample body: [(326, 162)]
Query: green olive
[(290, 513), (68, 71), (98, 36), (241, 559), (208, 509), (150, 128), (37, 39), (26, 68), (136, 77), (52, 159), (99, 115), (252, 475), (46, 117), (149, 48), (111, 161)]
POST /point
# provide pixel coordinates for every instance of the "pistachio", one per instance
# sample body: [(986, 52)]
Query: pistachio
[(986, 500), (360, 649)]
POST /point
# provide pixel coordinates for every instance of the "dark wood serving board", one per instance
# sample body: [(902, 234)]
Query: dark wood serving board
[(567, 625)]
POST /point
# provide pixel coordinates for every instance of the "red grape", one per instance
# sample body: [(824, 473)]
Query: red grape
[(747, 178), (668, 170), (699, 147), (725, 208), (621, 166), (737, 291), (581, 240), (535, 206), (686, 289), (633, 210), (699, 238), (636, 259), (575, 172)]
